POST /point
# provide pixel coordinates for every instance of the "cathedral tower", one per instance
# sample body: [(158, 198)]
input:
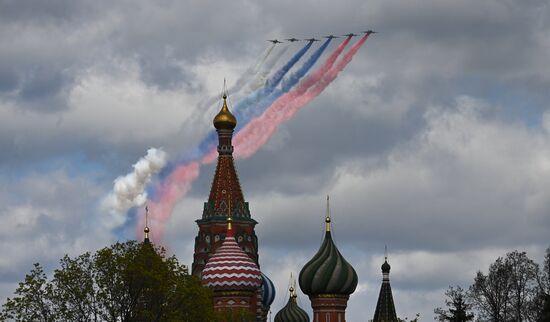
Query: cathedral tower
[(328, 279), (385, 309), (226, 199)]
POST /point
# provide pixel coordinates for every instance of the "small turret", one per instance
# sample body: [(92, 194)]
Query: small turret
[(292, 312), (385, 308)]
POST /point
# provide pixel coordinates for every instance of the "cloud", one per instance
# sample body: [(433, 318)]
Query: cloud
[(434, 141)]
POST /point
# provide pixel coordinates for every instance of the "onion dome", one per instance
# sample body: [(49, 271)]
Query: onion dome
[(386, 267), (328, 272), (268, 291), (292, 312), (230, 268), (224, 119)]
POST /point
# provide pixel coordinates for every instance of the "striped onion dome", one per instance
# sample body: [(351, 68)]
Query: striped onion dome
[(268, 291), (291, 312), (230, 268), (328, 272)]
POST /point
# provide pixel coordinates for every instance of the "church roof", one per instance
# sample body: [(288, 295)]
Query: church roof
[(291, 312), (328, 272), (385, 308), (230, 268)]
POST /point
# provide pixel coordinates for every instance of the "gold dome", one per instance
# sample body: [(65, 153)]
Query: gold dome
[(224, 119)]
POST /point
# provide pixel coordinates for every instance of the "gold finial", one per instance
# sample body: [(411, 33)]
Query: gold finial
[(327, 218), (229, 223), (224, 119), (292, 288), (146, 229)]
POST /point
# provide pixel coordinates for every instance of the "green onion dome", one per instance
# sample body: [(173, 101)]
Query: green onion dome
[(328, 272), (291, 312)]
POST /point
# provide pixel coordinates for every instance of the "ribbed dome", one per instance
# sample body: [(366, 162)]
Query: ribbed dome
[(224, 119), (291, 312), (230, 268), (268, 291), (328, 272)]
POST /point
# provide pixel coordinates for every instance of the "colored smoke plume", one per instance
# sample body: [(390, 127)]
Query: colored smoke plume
[(252, 102), (252, 136), (244, 116), (174, 187), (249, 75), (129, 190), (259, 130)]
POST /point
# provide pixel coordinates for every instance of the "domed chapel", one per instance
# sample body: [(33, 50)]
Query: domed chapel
[(227, 261)]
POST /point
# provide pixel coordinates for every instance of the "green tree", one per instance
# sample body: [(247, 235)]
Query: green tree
[(459, 308), (126, 282), (32, 301)]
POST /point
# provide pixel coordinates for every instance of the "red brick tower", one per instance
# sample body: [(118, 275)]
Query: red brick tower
[(328, 279), (226, 199)]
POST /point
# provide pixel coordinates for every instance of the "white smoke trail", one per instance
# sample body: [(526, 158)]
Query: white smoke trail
[(129, 190)]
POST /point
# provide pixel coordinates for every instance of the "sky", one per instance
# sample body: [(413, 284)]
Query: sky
[(434, 141)]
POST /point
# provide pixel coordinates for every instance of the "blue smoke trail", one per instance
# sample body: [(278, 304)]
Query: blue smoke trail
[(211, 139), (245, 115), (250, 73)]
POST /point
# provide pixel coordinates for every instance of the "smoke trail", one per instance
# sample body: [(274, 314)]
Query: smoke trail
[(129, 190), (261, 77), (259, 130), (310, 80), (241, 109), (250, 138), (250, 73), (174, 187), (254, 110)]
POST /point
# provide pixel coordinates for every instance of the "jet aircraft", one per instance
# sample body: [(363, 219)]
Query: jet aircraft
[(292, 39), (275, 41), (351, 34), (368, 32), (312, 39), (331, 37)]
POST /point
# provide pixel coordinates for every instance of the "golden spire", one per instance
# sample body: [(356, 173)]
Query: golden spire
[(292, 288), (224, 119), (327, 218), (146, 229)]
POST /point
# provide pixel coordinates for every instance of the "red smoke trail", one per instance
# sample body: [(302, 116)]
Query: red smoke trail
[(175, 186), (256, 133), (250, 138), (300, 89)]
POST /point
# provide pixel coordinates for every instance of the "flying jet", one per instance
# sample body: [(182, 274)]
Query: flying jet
[(275, 41), (331, 37), (292, 39), (312, 39), (351, 34), (368, 32)]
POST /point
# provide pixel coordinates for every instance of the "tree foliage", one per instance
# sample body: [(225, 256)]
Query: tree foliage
[(515, 289), (458, 306), (124, 282)]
